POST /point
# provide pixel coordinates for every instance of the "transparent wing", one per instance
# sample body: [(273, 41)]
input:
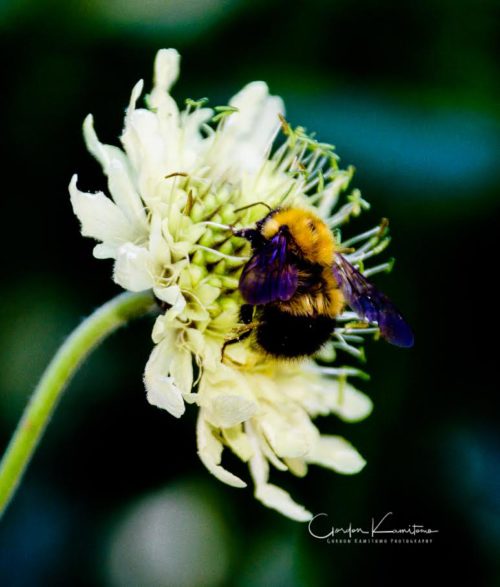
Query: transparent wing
[(269, 276), (371, 304)]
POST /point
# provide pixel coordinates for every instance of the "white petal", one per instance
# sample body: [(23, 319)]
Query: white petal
[(93, 144), (166, 68), (210, 452), (259, 467), (125, 195), (102, 251), (238, 442), (145, 146), (157, 243), (161, 390), (161, 328), (172, 295), (297, 467), (166, 111), (134, 96), (257, 117), (268, 494), (181, 370), (270, 455), (206, 348), (164, 394), (278, 499), (115, 166), (350, 404), (228, 410), (334, 452), (290, 431), (99, 216), (133, 268), (198, 144), (227, 397), (319, 395), (245, 138), (254, 126)]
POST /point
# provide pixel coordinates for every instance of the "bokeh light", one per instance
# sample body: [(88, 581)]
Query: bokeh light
[(173, 538)]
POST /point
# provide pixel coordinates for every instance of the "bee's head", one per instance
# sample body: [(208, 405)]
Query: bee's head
[(269, 225)]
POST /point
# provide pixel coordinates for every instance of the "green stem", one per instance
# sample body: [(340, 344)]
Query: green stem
[(65, 363)]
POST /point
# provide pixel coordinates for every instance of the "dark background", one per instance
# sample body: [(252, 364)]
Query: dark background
[(409, 94)]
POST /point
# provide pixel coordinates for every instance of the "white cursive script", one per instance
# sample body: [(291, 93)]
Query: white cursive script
[(320, 528)]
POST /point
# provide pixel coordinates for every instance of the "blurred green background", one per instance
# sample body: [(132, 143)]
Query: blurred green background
[(116, 496)]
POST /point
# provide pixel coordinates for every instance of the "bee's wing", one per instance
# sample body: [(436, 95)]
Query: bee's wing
[(371, 304), (269, 276)]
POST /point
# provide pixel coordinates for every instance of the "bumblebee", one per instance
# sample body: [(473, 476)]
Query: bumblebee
[(297, 282)]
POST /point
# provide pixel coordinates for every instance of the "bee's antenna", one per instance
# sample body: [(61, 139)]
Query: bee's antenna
[(254, 204), (285, 196)]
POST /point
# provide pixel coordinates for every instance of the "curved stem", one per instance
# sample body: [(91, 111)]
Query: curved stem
[(65, 363)]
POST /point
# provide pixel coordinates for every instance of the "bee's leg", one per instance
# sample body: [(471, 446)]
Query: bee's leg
[(241, 336), (246, 313), (246, 316), (250, 234)]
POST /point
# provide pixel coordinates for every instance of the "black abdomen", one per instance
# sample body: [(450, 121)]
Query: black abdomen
[(282, 335)]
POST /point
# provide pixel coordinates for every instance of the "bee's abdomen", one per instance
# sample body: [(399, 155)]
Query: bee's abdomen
[(284, 335)]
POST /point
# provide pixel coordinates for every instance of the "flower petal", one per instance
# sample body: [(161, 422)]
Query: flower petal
[(157, 243), (145, 146), (210, 452), (181, 370), (246, 136), (134, 96), (270, 495), (289, 431), (256, 123), (297, 467), (171, 295), (270, 455), (161, 389), (228, 410), (227, 398), (205, 348), (259, 467), (102, 251), (166, 69), (238, 442), (115, 166), (133, 268), (278, 499), (319, 395), (350, 404), (100, 218), (334, 452)]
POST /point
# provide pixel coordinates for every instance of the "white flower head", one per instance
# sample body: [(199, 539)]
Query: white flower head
[(178, 180)]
